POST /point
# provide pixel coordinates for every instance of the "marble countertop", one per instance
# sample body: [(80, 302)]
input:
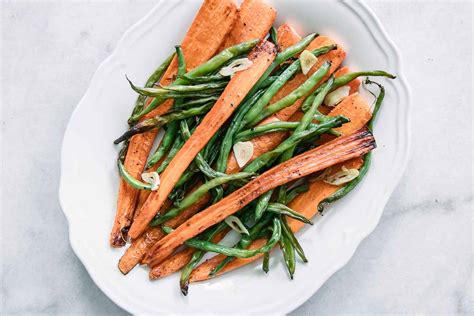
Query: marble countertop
[(419, 258)]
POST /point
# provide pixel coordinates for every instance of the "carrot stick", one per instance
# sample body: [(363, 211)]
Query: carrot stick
[(336, 151), (208, 30), (254, 20), (233, 94)]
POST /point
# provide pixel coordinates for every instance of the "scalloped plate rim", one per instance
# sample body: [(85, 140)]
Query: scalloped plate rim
[(357, 8)]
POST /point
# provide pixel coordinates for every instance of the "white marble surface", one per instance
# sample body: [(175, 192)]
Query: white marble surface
[(418, 260)]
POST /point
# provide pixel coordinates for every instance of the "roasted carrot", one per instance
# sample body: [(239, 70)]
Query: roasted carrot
[(287, 36), (356, 109), (233, 94), (339, 150), (254, 20), (205, 35), (267, 142), (134, 254)]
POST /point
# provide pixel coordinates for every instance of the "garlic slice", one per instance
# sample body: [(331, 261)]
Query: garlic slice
[(323, 175), (237, 65), (307, 61), (335, 97), (236, 224), (243, 152), (152, 178), (343, 176)]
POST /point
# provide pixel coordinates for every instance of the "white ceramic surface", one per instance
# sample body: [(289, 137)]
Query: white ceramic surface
[(89, 180)]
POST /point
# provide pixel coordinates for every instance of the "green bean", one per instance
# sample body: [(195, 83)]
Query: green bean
[(378, 103), (282, 209), (342, 192), (294, 139), (273, 35), (268, 82), (296, 191), (185, 177), (196, 195), (178, 143), (160, 120), (134, 183), (195, 102), (197, 256), (262, 204), (204, 69), (199, 159), (277, 126), (203, 79), (155, 77), (227, 142), (286, 229), (345, 79), (140, 103), (235, 252), (176, 91), (165, 145), (245, 241), (288, 254), (181, 60), (291, 98), (266, 262), (269, 93)]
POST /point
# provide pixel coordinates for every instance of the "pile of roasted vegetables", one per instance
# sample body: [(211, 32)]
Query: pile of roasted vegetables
[(262, 129)]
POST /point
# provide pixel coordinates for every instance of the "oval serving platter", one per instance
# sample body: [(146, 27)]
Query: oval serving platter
[(89, 182)]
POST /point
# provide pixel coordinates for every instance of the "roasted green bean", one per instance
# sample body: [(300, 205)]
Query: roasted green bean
[(291, 98), (204, 69), (160, 120)]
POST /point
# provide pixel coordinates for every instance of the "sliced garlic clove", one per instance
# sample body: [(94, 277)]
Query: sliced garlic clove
[(307, 61), (343, 176), (237, 65), (236, 224), (152, 178), (243, 152), (335, 97)]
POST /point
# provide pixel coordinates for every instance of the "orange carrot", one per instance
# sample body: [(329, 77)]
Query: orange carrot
[(208, 30), (287, 36), (134, 254), (236, 89), (339, 150), (254, 20)]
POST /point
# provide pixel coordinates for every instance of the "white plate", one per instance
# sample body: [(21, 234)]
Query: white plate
[(89, 178)]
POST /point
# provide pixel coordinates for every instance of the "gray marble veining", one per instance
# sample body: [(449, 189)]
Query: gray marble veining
[(418, 259)]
